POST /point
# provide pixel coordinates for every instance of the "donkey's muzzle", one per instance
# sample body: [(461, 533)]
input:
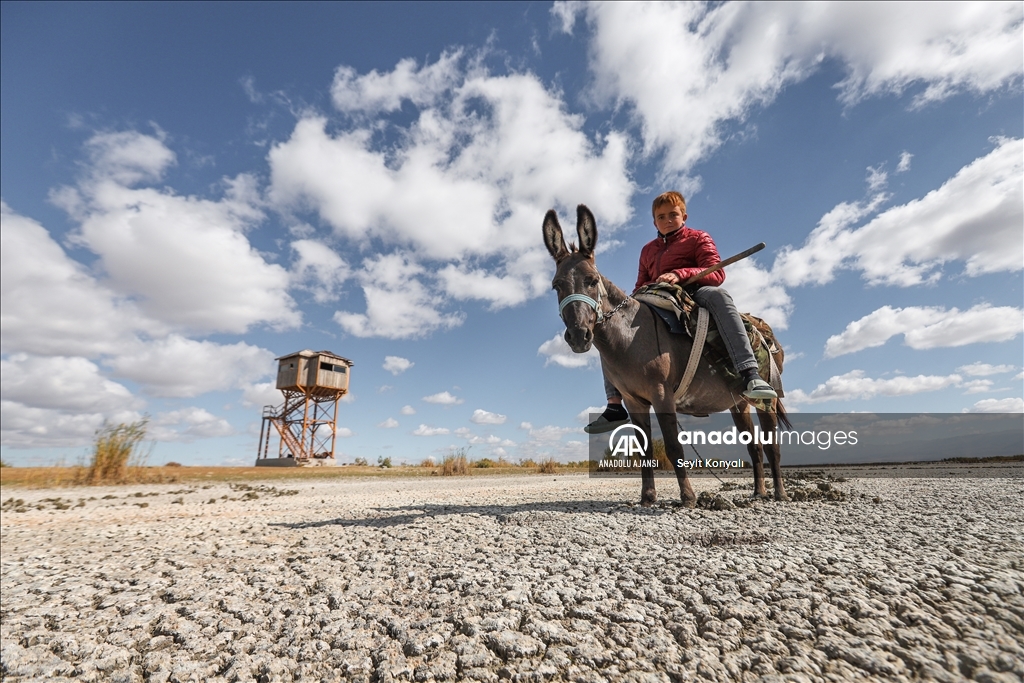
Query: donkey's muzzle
[(579, 338)]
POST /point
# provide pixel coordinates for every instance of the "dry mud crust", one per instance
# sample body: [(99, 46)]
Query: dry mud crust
[(513, 578)]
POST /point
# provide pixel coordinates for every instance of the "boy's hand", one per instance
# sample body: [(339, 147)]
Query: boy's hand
[(670, 278)]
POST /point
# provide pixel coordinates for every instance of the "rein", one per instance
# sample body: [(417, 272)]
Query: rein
[(595, 304)]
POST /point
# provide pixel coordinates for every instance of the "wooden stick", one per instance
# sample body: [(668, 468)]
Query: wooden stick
[(722, 264)]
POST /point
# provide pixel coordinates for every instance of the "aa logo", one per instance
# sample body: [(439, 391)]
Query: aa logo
[(624, 442)]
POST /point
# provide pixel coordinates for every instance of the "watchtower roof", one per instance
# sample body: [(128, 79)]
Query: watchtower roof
[(307, 353)]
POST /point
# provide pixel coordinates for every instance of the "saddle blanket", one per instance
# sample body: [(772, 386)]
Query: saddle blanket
[(678, 311)]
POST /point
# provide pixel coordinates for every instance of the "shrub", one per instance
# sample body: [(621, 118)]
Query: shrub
[(384, 462), (529, 462), (361, 461), (115, 450), (484, 463), (428, 462), (173, 464), (549, 466), (455, 463)]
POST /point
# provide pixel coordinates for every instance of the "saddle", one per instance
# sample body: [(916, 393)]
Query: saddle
[(682, 315)]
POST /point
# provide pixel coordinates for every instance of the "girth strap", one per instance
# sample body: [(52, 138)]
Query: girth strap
[(699, 335)]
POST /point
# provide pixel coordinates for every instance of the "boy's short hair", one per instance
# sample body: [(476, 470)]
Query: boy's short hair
[(671, 197)]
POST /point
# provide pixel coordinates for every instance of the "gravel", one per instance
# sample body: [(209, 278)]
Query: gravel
[(528, 578)]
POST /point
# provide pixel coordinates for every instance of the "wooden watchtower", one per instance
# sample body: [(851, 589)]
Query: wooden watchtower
[(312, 383)]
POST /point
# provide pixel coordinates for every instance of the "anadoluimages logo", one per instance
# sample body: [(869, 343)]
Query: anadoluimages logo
[(624, 442)]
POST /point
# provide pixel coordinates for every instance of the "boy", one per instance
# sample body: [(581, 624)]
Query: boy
[(677, 254)]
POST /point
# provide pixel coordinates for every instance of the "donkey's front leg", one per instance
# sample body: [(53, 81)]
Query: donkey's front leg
[(675, 454), (640, 415), (741, 418)]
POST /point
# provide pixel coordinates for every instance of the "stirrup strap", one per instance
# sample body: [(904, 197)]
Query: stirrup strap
[(699, 336)]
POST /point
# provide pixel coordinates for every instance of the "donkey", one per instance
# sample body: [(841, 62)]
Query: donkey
[(645, 361)]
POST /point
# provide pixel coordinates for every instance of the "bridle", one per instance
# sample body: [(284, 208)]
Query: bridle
[(593, 303)]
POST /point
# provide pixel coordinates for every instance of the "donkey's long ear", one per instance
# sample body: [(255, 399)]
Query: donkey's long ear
[(586, 228), (553, 238)]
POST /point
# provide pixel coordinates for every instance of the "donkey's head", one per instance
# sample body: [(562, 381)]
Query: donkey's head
[(579, 286)]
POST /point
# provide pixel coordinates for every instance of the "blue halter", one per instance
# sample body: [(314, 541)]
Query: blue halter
[(595, 304)]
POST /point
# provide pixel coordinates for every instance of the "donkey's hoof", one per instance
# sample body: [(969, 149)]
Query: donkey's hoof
[(689, 501), (648, 499), (781, 497)]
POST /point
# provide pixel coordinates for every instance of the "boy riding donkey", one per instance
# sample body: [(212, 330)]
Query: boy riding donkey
[(677, 254)]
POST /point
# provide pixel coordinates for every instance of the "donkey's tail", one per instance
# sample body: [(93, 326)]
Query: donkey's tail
[(780, 411)]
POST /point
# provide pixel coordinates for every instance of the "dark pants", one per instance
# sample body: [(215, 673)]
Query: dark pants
[(730, 326)]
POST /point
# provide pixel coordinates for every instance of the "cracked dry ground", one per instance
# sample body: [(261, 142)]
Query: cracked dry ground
[(522, 578)]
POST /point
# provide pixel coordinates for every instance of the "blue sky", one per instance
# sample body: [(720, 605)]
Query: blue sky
[(190, 190)]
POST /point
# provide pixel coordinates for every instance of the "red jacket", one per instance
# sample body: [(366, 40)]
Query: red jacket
[(684, 252)]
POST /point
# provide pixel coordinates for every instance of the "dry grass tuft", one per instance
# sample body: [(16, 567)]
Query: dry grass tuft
[(549, 466), (664, 464), (116, 457), (455, 463)]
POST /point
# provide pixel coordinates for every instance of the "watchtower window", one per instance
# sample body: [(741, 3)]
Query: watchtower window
[(333, 368)]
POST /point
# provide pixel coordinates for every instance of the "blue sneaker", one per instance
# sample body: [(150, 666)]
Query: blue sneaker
[(758, 388)]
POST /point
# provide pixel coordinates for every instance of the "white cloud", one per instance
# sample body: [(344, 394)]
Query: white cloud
[(389, 423), (979, 369), (738, 57), (483, 159), (974, 217), (586, 415), (59, 401), (854, 385), (904, 164), (49, 304), (343, 432), (482, 417), (29, 427), (557, 351), (489, 440), (396, 365), (566, 12), (444, 399), (184, 260), (408, 410), (424, 430), (877, 179), (548, 432), (187, 425), (826, 247), (997, 405), (758, 291), (926, 327), (261, 394), (547, 442), (376, 92), (978, 386), (129, 157), (176, 366), (68, 384), (398, 304), (318, 270)]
